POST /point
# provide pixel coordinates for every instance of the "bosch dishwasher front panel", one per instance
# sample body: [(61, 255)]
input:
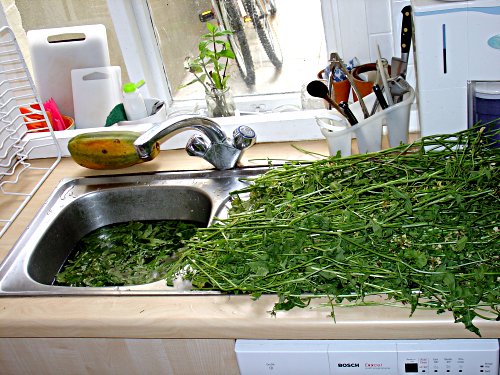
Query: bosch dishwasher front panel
[(384, 357)]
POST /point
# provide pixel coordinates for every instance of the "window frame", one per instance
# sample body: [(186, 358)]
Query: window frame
[(137, 41)]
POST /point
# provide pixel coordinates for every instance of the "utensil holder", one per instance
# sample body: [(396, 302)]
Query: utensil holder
[(368, 132), (338, 133)]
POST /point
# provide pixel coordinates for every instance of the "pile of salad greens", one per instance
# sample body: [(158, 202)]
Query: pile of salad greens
[(418, 223), (132, 253)]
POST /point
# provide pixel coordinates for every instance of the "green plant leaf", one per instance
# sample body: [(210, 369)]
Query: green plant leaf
[(461, 243), (224, 81), (206, 37), (210, 54), (202, 46), (216, 79), (227, 53), (195, 68), (223, 33), (189, 83), (211, 27)]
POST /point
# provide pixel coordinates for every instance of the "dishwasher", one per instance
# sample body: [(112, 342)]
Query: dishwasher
[(353, 357)]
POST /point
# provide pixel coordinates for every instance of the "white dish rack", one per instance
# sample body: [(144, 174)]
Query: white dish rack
[(20, 175)]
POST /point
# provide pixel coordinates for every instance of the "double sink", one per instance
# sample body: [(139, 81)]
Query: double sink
[(79, 206)]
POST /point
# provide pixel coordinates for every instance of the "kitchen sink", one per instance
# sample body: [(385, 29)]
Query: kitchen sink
[(79, 206)]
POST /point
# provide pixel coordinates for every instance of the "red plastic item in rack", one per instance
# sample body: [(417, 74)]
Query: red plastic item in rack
[(35, 122)]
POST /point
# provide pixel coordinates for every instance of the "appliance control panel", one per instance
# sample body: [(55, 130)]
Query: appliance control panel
[(447, 357), (353, 357)]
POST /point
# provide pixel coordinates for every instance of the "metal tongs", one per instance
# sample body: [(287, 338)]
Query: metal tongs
[(394, 87), (337, 62)]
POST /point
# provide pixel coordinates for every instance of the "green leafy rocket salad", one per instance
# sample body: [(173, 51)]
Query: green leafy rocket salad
[(125, 254), (418, 224)]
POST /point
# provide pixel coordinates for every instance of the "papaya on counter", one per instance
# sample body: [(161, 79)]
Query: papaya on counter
[(107, 149)]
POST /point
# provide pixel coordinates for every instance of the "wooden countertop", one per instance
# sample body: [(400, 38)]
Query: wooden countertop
[(205, 316)]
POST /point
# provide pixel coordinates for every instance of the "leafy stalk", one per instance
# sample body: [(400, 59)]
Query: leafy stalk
[(417, 223), (132, 253), (207, 67)]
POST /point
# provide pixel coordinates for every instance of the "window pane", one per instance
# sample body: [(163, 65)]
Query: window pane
[(285, 38), (297, 25)]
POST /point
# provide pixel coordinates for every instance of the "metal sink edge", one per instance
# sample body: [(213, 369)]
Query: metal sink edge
[(15, 280)]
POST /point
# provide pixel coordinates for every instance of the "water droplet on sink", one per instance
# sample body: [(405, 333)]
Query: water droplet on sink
[(67, 192)]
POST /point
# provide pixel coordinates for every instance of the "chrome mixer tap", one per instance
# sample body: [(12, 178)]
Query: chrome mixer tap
[(219, 150)]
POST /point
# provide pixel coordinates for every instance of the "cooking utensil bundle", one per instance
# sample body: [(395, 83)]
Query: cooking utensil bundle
[(391, 93), (393, 87)]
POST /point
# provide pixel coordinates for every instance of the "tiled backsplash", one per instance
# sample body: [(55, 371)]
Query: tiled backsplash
[(364, 24)]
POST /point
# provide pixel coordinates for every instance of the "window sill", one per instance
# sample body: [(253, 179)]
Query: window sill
[(269, 127)]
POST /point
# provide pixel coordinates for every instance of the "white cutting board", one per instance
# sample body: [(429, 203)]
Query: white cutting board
[(55, 52), (96, 91)]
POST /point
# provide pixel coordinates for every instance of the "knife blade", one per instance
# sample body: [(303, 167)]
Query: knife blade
[(399, 65)]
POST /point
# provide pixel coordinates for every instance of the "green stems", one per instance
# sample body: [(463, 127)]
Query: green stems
[(418, 223)]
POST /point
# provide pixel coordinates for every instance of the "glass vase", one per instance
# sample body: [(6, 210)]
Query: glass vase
[(220, 103)]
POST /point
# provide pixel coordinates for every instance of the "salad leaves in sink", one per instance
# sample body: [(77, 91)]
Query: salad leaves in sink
[(129, 253)]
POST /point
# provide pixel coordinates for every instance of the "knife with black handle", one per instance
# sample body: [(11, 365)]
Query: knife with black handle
[(406, 35)]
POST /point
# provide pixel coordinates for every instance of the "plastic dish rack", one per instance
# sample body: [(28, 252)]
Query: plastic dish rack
[(20, 174)]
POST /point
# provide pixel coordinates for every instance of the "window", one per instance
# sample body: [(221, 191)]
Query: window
[(277, 57), (267, 73), (24, 15), (151, 38)]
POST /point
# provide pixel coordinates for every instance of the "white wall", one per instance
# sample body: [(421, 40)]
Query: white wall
[(361, 25), (364, 24)]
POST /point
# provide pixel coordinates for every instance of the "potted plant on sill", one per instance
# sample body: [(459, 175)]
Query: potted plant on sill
[(210, 69)]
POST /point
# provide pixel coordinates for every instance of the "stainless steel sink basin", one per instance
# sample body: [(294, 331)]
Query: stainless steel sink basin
[(79, 206)]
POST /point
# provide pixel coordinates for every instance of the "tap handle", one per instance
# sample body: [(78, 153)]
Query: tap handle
[(243, 137), (197, 146)]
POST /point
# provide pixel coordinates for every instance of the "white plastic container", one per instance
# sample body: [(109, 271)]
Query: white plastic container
[(338, 133), (135, 108), (368, 132)]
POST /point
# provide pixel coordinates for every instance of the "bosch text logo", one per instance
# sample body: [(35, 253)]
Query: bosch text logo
[(348, 365)]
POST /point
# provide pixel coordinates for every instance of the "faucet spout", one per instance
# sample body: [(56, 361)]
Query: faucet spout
[(221, 152), (159, 132)]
